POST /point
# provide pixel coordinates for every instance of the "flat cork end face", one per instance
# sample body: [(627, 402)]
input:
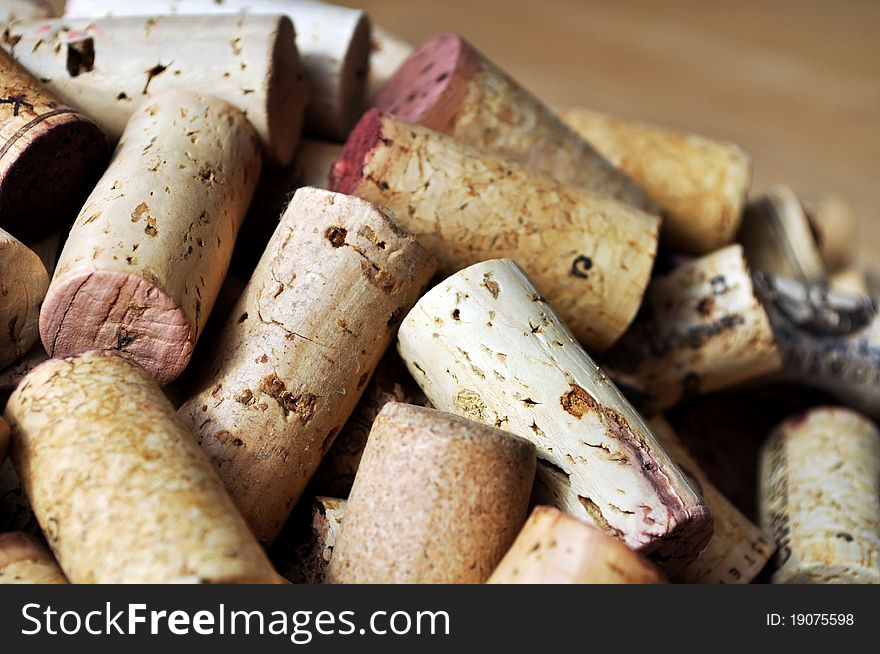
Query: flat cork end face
[(102, 310), (431, 85), (60, 158), (347, 170)]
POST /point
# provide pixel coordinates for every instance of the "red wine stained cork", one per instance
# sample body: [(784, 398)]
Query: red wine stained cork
[(333, 41), (554, 548), (108, 68), (486, 345), (11, 10), (437, 499), (306, 562), (820, 498), (146, 257), (738, 550), (700, 184), (23, 284), (25, 560), (390, 383), (702, 328), (50, 155), (591, 256), (119, 486), (300, 346), (448, 86)]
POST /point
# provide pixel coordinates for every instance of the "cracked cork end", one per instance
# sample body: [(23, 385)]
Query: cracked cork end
[(431, 85), (117, 311)]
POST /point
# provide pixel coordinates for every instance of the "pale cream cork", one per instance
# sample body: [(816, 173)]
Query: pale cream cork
[(390, 383), (23, 285), (836, 229), (118, 484), (702, 328), (852, 280), (486, 345), (50, 154), (437, 499), (700, 184), (590, 256), (333, 42), (107, 68), (738, 550), (778, 239), (820, 497), (147, 255), (448, 86), (25, 560), (554, 548), (298, 349)]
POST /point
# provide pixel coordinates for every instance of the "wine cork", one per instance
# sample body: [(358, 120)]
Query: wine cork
[(700, 184), (119, 485), (778, 239), (299, 348), (702, 328), (23, 284), (18, 369), (146, 257), (738, 550), (333, 41), (307, 562), (390, 383), (486, 345), (11, 10), (437, 499), (4, 440), (835, 228), (828, 340), (108, 68), (554, 548), (590, 256), (387, 53), (50, 154), (820, 497), (851, 281), (446, 85), (25, 560)]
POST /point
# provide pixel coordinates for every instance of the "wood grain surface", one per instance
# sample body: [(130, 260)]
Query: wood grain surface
[(796, 82)]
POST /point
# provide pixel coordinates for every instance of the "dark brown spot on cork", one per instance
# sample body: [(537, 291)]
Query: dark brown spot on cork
[(377, 277), (336, 236), (362, 380), (706, 306), (155, 71), (80, 57), (456, 314), (581, 266), (395, 316), (577, 401), (492, 286), (242, 317), (246, 397), (303, 405)]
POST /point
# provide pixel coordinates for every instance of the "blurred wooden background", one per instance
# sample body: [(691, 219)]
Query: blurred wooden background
[(796, 82)]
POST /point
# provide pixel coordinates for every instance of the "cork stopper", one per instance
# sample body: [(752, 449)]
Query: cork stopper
[(24, 559), (437, 499)]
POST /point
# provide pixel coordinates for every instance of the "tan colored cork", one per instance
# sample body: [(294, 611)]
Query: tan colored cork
[(738, 550), (11, 10), (836, 229), (307, 562), (486, 345), (554, 548), (700, 184), (23, 284), (108, 68), (820, 499), (448, 86), (299, 348), (851, 280), (146, 257), (590, 256), (333, 41), (390, 383), (778, 239), (437, 499), (119, 486), (50, 154), (702, 328), (25, 560), (387, 52)]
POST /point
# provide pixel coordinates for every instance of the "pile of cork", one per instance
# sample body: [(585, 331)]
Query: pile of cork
[(449, 337)]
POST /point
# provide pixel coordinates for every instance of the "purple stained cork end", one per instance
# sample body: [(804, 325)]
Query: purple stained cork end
[(347, 171), (430, 87)]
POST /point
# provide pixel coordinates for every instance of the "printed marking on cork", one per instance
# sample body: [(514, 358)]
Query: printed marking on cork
[(819, 499)]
